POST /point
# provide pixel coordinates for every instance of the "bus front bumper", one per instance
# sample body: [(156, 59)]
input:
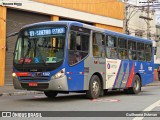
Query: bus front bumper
[(59, 84)]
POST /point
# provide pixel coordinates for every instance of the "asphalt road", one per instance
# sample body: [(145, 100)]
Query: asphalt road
[(147, 100)]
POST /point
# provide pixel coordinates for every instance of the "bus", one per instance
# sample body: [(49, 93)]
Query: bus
[(69, 56)]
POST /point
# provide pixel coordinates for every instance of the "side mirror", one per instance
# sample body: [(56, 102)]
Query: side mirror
[(12, 34)]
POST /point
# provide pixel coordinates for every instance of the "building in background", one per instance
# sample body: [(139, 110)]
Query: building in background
[(137, 25), (140, 17), (157, 52), (158, 31), (15, 14)]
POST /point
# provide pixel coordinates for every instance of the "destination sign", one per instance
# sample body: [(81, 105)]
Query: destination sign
[(47, 31)]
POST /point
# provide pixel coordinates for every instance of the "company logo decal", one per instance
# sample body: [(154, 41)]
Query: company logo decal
[(108, 66), (141, 66)]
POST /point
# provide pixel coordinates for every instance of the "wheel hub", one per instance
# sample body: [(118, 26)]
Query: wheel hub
[(136, 85), (95, 87)]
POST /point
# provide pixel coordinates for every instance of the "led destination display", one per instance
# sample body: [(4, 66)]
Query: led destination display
[(47, 31)]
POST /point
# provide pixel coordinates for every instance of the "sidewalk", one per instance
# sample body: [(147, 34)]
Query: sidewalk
[(8, 90), (155, 83)]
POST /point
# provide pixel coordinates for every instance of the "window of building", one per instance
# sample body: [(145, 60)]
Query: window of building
[(139, 33)]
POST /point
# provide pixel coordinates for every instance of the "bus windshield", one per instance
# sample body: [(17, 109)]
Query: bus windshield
[(40, 46)]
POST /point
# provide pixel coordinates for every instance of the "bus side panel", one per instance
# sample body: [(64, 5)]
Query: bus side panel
[(87, 71), (145, 70), (131, 74), (148, 75), (127, 69), (123, 74), (113, 72), (75, 77), (94, 66)]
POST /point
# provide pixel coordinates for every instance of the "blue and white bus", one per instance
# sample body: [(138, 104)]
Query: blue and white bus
[(69, 56)]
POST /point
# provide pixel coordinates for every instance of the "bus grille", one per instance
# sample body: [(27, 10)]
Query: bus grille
[(34, 78)]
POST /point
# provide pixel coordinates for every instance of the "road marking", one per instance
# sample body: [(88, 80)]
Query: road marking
[(105, 100), (148, 109), (39, 96)]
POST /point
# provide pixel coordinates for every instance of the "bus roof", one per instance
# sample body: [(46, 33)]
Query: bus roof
[(53, 22), (109, 32)]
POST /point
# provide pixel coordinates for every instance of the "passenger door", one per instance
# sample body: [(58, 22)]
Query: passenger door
[(78, 48)]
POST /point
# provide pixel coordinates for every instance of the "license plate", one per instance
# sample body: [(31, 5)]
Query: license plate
[(33, 84)]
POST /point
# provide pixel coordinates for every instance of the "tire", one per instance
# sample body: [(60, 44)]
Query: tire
[(136, 86), (51, 94), (94, 88)]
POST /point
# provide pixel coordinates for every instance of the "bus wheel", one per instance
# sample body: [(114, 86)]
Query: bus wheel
[(51, 94), (136, 86), (94, 87)]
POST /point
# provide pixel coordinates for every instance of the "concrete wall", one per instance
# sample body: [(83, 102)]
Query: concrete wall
[(109, 8)]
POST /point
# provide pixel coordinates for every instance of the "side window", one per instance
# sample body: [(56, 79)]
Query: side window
[(140, 51), (72, 41), (78, 46), (25, 46), (19, 49), (132, 50), (98, 45), (148, 52), (122, 49), (111, 47)]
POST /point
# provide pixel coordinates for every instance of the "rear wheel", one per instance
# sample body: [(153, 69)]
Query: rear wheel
[(94, 87), (51, 94), (136, 86)]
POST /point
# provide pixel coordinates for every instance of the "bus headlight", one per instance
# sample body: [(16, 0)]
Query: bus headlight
[(60, 74), (14, 75)]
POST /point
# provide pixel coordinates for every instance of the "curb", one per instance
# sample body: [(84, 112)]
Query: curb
[(157, 83), (153, 85), (20, 93)]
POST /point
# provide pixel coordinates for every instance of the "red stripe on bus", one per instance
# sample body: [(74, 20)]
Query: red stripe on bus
[(131, 77), (22, 73)]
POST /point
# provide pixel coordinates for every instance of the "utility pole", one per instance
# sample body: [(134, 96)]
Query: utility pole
[(148, 21), (125, 21), (147, 18), (128, 14)]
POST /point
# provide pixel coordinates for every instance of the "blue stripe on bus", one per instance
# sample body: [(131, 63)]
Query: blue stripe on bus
[(125, 65), (117, 74)]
